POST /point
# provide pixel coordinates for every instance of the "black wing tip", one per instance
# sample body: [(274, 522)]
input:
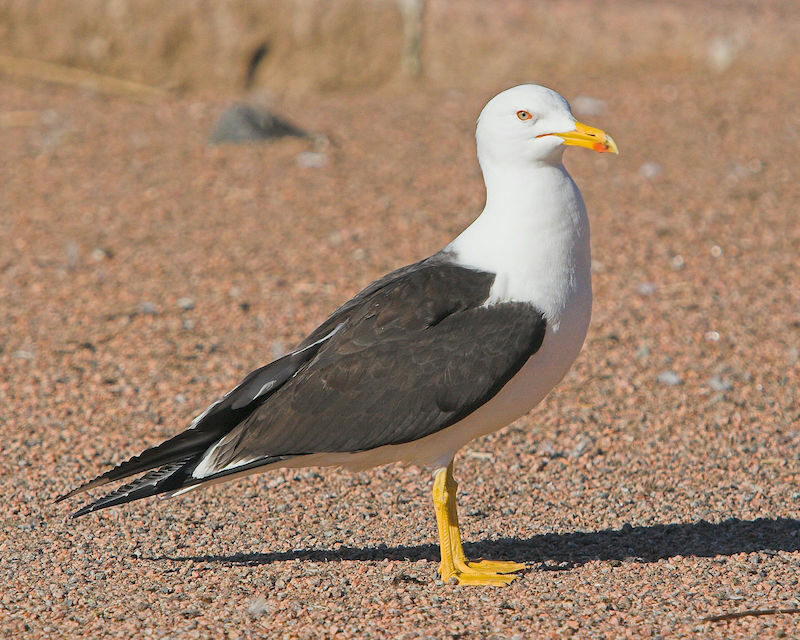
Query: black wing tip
[(109, 500), (68, 494), (91, 484), (125, 469), (84, 510), (87, 508), (168, 478)]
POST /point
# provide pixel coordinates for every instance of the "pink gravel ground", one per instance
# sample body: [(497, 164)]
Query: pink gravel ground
[(142, 273)]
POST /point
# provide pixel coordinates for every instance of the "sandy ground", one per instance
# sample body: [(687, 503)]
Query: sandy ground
[(142, 273)]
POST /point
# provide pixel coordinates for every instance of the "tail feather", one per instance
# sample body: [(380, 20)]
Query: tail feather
[(189, 442), (172, 479), (168, 478)]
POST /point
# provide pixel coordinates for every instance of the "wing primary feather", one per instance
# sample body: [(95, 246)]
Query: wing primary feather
[(215, 422), (177, 448), (168, 478)]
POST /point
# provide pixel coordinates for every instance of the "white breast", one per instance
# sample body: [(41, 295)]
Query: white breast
[(522, 393)]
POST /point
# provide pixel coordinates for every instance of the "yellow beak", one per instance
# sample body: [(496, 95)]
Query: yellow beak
[(585, 136)]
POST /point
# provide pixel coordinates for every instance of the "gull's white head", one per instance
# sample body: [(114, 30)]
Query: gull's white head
[(530, 124)]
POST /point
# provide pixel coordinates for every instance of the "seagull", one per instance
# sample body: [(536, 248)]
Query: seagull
[(428, 357)]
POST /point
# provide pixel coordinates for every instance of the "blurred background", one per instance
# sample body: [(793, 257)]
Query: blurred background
[(298, 46)]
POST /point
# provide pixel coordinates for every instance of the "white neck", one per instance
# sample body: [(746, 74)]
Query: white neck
[(534, 234)]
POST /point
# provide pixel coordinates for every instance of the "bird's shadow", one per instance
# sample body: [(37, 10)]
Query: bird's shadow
[(563, 551)]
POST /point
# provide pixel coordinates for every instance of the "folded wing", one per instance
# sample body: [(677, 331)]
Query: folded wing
[(410, 355)]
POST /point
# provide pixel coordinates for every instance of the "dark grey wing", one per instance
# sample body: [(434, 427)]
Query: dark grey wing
[(412, 357), (171, 463)]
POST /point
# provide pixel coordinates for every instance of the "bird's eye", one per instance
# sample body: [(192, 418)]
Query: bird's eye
[(524, 115)]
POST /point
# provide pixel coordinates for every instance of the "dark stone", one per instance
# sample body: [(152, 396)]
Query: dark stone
[(243, 123)]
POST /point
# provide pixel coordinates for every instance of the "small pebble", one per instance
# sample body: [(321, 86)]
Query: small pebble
[(73, 254), (98, 254), (147, 308), (479, 455), (669, 378), (721, 52), (720, 384), (258, 607), (580, 447), (645, 288), (311, 160), (650, 170), (642, 353)]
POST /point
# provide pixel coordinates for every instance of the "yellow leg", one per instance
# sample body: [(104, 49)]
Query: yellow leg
[(454, 564)]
